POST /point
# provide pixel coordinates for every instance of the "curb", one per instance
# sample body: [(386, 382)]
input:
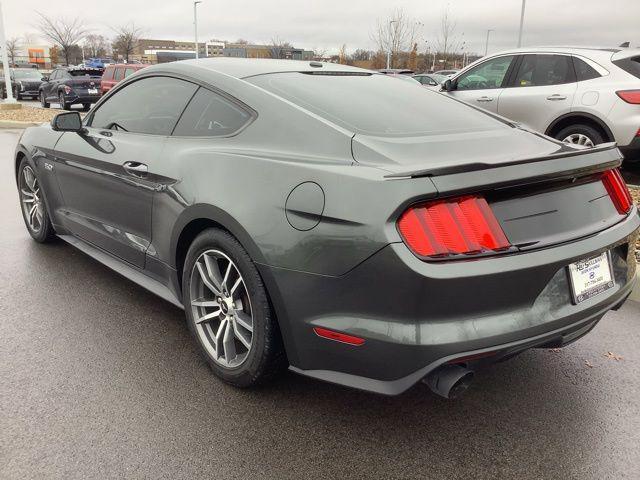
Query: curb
[(635, 294), (18, 124)]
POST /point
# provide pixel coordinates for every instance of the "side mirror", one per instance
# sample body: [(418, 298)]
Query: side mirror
[(45, 78), (67, 122), (447, 86)]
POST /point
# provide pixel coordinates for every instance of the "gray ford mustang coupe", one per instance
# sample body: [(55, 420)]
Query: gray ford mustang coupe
[(357, 229)]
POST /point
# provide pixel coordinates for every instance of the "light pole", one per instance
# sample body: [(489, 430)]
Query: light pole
[(391, 36), (5, 62), (524, 2), (486, 43), (195, 25)]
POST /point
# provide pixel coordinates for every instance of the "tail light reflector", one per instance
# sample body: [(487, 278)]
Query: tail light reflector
[(338, 337), (459, 226), (618, 191), (630, 96)]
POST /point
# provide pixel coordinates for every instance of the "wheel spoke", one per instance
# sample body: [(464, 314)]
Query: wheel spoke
[(219, 337), (235, 285), (27, 193), (28, 200), (204, 303), (245, 321), (214, 272), (29, 179), (208, 316), (206, 280), (228, 343), (240, 336), (32, 215), (226, 275)]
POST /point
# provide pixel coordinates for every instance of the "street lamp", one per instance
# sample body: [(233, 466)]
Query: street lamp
[(521, 23), (390, 43), (5, 62), (486, 43), (195, 25)]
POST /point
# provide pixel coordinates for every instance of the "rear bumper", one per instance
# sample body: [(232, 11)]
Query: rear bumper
[(81, 98), (415, 316)]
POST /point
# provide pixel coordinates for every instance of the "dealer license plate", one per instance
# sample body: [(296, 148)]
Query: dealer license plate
[(591, 277), (92, 91)]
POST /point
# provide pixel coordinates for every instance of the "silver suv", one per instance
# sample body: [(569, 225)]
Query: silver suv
[(578, 95)]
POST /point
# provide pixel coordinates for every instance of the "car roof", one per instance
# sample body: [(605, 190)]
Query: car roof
[(601, 53), (127, 65), (248, 67)]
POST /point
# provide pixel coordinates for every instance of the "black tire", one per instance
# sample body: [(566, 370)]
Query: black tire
[(16, 94), (43, 100), (63, 104), (580, 129), (266, 357), (45, 233), (86, 107)]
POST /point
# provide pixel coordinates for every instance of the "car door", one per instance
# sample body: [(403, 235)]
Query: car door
[(541, 90), (483, 84), (50, 85), (107, 174)]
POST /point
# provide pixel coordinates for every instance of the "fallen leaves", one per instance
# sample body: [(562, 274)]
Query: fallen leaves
[(613, 356)]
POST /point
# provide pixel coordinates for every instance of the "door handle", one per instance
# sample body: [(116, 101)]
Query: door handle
[(557, 97), (485, 99), (135, 168)]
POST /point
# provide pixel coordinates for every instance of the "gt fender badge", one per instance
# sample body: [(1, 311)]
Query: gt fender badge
[(48, 166)]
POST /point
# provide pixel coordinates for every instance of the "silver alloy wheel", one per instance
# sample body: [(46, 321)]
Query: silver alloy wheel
[(221, 309), (579, 139), (30, 198)]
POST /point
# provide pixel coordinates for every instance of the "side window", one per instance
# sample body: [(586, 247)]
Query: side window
[(119, 75), (544, 70), (211, 115), (584, 71), (128, 71), (54, 75), (108, 74), (151, 105), (490, 74)]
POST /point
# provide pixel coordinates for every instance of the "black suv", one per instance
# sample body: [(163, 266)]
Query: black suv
[(72, 85), (25, 82)]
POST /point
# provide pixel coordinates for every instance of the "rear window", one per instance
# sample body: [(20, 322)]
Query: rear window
[(119, 74), (629, 65), (375, 104), (584, 71), (85, 73)]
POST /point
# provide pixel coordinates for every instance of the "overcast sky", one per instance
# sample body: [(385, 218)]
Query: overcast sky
[(327, 24)]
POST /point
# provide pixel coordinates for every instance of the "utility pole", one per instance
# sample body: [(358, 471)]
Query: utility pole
[(486, 43), (391, 36), (195, 26), (5, 61), (524, 2)]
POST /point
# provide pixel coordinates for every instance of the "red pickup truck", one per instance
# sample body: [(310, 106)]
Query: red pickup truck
[(116, 72)]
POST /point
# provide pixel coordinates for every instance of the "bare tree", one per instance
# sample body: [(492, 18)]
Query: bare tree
[(361, 55), (126, 41), (241, 41), (278, 47), (448, 41), (96, 45), (13, 45), (62, 32), (395, 34)]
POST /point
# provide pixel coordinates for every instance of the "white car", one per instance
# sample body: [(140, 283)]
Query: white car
[(583, 96)]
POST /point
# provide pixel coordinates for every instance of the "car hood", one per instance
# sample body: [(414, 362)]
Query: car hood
[(452, 151)]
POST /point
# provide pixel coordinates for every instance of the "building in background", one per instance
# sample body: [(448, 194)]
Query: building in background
[(34, 56)]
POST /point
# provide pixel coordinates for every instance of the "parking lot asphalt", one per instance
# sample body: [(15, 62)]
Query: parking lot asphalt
[(100, 379)]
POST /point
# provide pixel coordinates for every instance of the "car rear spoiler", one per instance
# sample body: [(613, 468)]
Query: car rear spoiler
[(478, 166)]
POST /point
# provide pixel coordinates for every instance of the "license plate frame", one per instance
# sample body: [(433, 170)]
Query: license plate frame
[(582, 273)]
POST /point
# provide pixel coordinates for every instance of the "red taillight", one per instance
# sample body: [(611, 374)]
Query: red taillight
[(459, 226), (618, 191), (338, 337), (630, 96)]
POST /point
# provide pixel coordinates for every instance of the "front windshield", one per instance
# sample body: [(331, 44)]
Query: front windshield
[(27, 74)]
